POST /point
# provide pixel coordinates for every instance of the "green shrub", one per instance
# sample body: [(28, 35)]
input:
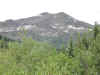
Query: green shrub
[(30, 57)]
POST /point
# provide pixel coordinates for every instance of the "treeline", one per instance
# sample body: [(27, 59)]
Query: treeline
[(34, 58)]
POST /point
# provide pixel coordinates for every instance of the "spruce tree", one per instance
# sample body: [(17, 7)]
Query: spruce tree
[(71, 48), (95, 31)]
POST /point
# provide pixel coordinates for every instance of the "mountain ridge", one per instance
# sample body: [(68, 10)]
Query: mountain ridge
[(54, 28)]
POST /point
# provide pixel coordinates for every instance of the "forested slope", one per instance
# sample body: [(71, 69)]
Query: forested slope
[(30, 57)]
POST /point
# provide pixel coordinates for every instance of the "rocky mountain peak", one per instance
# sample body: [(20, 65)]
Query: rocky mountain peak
[(61, 13), (45, 13), (53, 28)]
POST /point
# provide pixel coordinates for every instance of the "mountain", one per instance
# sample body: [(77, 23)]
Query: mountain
[(46, 27)]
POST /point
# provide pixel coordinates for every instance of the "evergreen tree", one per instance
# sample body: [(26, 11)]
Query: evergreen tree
[(85, 42), (95, 31), (71, 48)]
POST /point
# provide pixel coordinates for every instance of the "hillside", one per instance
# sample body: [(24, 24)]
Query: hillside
[(46, 27), (37, 58)]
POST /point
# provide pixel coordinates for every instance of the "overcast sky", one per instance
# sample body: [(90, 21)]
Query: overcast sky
[(85, 10)]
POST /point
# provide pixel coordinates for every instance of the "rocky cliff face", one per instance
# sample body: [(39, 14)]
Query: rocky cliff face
[(53, 28)]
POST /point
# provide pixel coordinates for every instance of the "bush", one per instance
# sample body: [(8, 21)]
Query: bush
[(30, 57)]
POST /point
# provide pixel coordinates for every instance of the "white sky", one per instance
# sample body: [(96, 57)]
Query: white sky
[(85, 10)]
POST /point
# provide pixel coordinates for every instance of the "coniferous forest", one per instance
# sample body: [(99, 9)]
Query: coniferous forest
[(29, 57)]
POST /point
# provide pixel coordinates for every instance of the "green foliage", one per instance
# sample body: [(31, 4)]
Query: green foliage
[(30, 57), (70, 48), (96, 31)]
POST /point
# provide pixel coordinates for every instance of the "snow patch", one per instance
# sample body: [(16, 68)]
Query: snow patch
[(56, 24), (75, 28), (54, 27), (10, 30), (7, 29), (66, 31), (26, 27)]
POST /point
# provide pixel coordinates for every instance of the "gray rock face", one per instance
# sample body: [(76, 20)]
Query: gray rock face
[(46, 27)]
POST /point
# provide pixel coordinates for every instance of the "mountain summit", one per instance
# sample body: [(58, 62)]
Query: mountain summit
[(46, 27)]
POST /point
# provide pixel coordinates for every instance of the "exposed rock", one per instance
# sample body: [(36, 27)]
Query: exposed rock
[(54, 28)]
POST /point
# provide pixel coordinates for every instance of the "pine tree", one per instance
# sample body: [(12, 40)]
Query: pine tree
[(71, 48), (96, 31)]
